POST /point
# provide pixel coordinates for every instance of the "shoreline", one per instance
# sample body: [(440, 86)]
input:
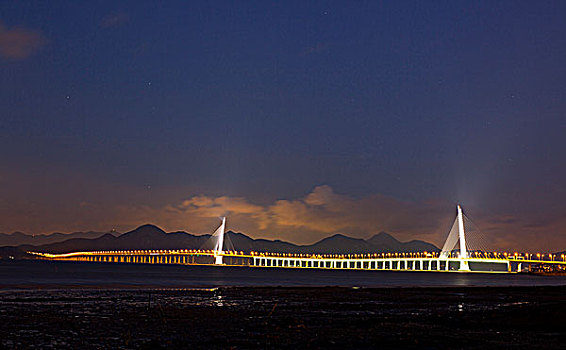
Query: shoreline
[(286, 317), (149, 287)]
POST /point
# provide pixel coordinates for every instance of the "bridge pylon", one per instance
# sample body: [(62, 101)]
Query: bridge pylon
[(457, 233), (462, 238), (219, 246)]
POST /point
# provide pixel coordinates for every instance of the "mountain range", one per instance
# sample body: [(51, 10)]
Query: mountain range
[(152, 237), (19, 238)]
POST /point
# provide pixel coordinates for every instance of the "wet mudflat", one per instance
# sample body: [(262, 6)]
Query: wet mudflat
[(286, 317)]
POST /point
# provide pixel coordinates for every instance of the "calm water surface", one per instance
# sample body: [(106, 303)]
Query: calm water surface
[(45, 274)]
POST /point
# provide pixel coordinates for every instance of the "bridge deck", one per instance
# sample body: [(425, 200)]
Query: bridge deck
[(386, 261)]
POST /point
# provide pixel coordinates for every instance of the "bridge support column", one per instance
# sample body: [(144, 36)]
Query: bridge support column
[(464, 266)]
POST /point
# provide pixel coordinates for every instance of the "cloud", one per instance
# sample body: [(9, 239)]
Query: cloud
[(19, 43), (323, 212), (304, 220), (524, 233), (209, 207)]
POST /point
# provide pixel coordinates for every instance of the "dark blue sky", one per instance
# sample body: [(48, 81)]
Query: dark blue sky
[(114, 105)]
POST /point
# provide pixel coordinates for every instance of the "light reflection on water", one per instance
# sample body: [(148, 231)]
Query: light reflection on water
[(92, 301)]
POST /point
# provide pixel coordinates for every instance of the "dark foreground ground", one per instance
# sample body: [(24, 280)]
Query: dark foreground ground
[(241, 318)]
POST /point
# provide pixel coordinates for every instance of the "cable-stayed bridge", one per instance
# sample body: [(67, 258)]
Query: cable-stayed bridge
[(461, 252)]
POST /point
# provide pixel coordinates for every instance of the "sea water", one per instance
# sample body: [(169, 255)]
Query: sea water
[(16, 274)]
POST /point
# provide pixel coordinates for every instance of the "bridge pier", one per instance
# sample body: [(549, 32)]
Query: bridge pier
[(464, 266)]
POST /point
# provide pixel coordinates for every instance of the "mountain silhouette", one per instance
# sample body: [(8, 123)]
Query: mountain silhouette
[(19, 238), (148, 237), (387, 242)]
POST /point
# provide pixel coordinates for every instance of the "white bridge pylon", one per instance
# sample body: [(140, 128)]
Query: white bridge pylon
[(456, 234), (219, 245)]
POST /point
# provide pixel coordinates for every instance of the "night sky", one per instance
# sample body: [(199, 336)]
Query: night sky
[(296, 119)]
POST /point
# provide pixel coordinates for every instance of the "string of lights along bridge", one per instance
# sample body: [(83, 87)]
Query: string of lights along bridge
[(461, 252)]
